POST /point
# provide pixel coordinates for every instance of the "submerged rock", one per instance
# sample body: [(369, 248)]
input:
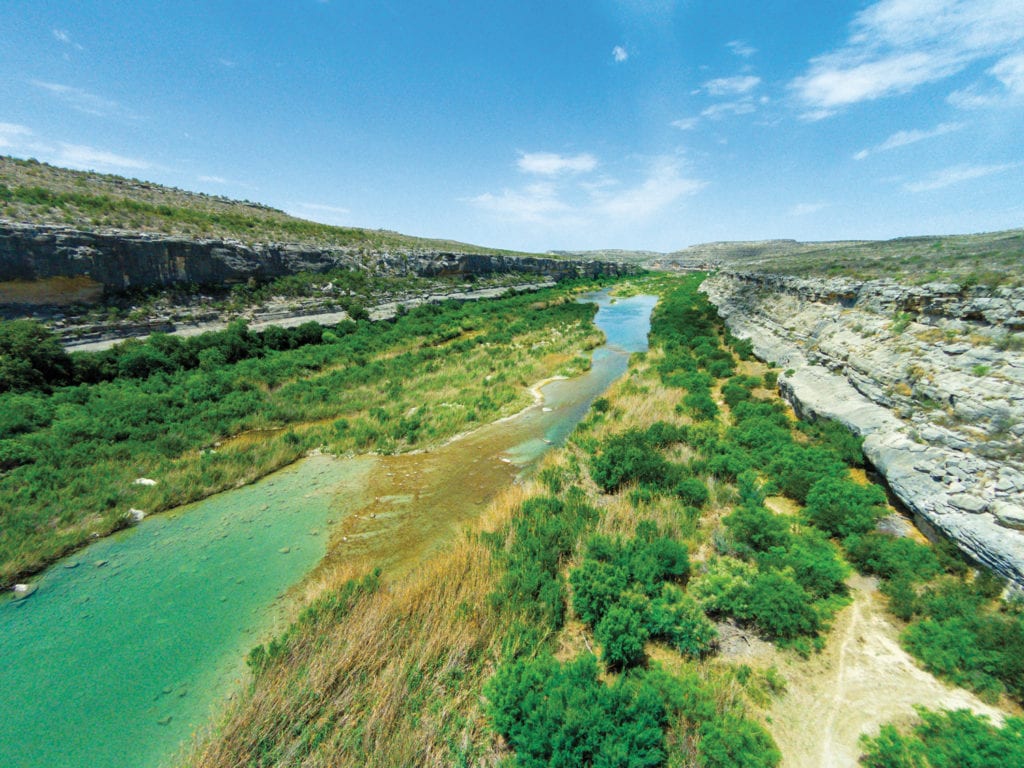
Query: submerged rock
[(21, 591)]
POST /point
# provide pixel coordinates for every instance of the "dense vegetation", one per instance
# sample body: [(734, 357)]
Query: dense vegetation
[(201, 414), (943, 739)]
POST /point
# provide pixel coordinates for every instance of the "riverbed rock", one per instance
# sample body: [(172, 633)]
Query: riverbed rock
[(21, 591)]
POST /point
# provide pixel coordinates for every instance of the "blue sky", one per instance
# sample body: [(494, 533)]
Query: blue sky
[(647, 124)]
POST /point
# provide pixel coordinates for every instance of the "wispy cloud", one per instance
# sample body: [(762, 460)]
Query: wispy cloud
[(212, 179), (534, 204), (335, 209), (895, 46), (12, 134), (686, 123), (84, 101), (620, 54), (731, 86), (718, 111), (1007, 90), (806, 209), (741, 49), (903, 138), (552, 164), (586, 203), (956, 174), (662, 186), (22, 140), (63, 36), (92, 159)]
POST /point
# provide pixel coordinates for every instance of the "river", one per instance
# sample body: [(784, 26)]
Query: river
[(130, 645)]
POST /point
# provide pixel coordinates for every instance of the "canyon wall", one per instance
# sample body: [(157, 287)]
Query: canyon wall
[(932, 376), (85, 265)]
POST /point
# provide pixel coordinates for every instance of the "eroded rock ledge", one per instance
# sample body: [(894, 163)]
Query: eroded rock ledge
[(116, 260), (931, 375)]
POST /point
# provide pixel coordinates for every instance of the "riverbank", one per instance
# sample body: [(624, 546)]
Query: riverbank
[(388, 388)]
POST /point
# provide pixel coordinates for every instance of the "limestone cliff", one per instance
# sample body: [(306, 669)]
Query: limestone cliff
[(931, 375), (57, 259)]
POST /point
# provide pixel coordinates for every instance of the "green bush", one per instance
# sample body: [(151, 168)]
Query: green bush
[(892, 557), (948, 738), (730, 741), (841, 507), (628, 457), (562, 716)]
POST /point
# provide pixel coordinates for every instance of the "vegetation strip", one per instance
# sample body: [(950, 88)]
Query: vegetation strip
[(203, 414)]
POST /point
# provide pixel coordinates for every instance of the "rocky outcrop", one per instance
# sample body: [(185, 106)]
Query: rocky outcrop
[(118, 260), (931, 375)]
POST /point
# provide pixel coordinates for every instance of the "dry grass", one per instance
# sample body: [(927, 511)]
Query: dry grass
[(397, 681)]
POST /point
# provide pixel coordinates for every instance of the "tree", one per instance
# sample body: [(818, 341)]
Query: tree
[(31, 357)]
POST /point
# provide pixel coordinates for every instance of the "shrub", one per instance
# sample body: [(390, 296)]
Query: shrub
[(692, 492), (628, 457), (622, 632), (892, 557), (841, 507), (730, 741), (947, 738), (562, 715)]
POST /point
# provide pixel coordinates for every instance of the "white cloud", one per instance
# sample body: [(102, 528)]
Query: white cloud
[(337, 209), (806, 209), (551, 164), (589, 204), (686, 123), (212, 179), (1008, 72), (663, 185), (730, 86), (894, 46), (740, 48), (534, 204), (62, 36), (92, 159), (903, 138), (84, 101), (12, 134), (620, 54), (956, 174), (718, 111)]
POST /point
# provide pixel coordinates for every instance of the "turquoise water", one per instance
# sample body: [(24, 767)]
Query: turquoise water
[(128, 646)]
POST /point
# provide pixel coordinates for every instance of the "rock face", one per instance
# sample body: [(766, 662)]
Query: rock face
[(118, 260), (931, 375)]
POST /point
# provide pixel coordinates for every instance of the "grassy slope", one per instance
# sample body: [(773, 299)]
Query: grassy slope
[(993, 258), (44, 194)]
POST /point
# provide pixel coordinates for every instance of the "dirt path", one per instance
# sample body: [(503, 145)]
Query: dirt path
[(861, 680)]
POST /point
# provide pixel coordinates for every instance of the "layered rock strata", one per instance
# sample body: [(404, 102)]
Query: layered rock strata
[(114, 260), (932, 376)]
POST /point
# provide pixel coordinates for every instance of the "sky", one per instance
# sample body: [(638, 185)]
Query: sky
[(541, 125)]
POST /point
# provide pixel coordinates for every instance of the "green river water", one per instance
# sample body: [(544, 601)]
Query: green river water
[(130, 645)]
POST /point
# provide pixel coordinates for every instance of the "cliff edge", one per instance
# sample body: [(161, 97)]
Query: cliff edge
[(932, 376)]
